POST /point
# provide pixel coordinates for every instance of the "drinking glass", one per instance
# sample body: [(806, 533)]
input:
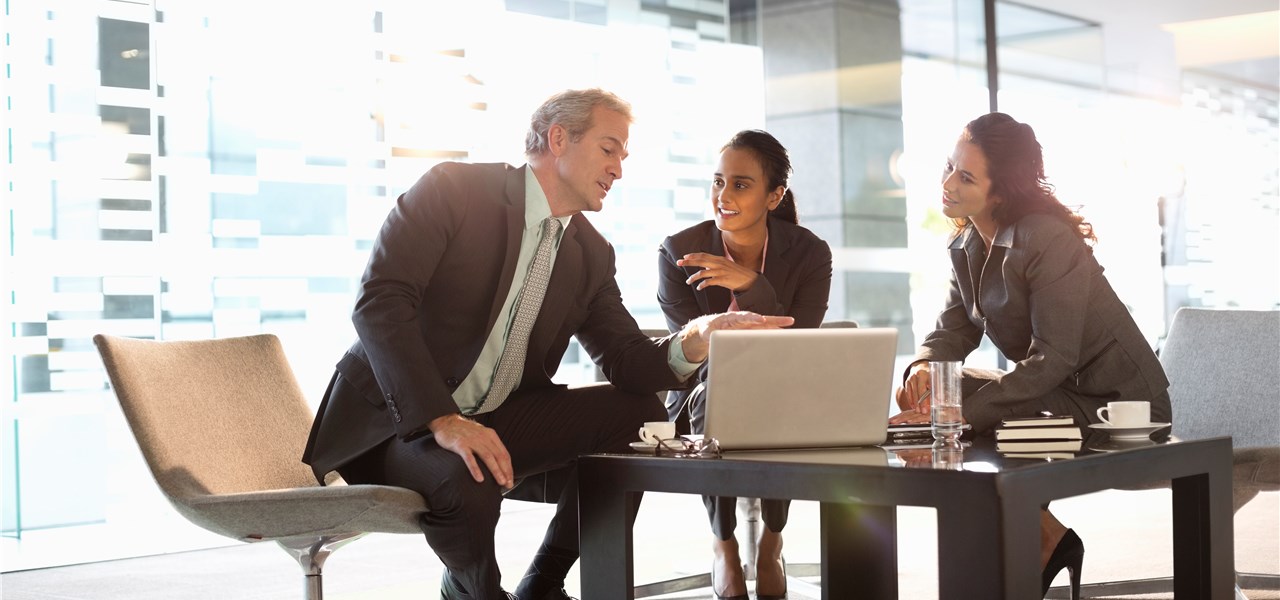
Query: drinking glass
[(945, 415), (948, 455)]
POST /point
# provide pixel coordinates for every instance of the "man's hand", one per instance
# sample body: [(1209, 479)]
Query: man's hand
[(695, 338), (469, 439), (719, 271)]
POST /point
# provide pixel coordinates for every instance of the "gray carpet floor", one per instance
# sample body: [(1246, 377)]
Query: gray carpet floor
[(1126, 535)]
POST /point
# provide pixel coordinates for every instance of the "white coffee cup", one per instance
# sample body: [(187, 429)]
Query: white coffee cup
[(1126, 414), (656, 431)]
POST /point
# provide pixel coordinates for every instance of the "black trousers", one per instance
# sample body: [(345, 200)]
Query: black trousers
[(721, 509), (543, 430)]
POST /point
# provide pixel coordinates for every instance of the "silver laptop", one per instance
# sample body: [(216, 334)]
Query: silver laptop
[(800, 388)]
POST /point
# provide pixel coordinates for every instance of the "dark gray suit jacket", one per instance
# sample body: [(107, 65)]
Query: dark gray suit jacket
[(437, 276), (796, 283), (1043, 301)]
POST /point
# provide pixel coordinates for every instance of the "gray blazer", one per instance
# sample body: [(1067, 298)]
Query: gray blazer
[(1043, 301)]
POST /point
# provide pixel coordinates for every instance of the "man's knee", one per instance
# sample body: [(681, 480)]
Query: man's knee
[(644, 407), (458, 495), (653, 409)]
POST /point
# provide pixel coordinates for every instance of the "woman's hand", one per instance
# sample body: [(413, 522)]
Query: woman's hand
[(718, 270), (913, 397)]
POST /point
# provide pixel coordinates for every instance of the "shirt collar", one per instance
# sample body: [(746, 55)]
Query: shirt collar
[(1004, 237), (536, 206)]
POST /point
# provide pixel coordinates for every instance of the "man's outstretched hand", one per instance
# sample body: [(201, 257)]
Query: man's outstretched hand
[(695, 338)]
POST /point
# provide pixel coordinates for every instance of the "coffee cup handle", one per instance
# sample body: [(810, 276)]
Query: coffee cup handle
[(1102, 417), (644, 435)]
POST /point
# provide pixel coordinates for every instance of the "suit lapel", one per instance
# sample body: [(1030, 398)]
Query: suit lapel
[(776, 268)]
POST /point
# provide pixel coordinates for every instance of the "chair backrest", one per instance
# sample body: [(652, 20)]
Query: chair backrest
[(212, 416), (1224, 373), (838, 324)]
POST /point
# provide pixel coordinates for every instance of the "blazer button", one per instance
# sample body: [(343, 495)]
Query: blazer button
[(452, 382)]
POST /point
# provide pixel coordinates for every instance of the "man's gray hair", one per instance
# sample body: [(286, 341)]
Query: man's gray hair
[(572, 110)]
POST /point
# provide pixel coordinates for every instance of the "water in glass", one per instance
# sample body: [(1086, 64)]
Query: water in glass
[(947, 423)]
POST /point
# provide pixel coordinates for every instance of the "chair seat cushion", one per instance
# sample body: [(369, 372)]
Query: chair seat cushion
[(329, 510)]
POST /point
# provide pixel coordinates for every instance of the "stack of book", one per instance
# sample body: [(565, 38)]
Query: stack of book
[(1047, 437)]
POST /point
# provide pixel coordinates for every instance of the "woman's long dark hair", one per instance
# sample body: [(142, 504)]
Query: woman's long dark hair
[(775, 163), (1015, 165)]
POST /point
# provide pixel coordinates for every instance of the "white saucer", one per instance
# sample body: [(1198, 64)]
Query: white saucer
[(1139, 432), (1118, 445), (644, 447)]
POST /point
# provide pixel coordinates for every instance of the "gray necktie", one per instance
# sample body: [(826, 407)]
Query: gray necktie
[(527, 307)]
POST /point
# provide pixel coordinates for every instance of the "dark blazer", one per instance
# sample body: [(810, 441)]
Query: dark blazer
[(1043, 301), (439, 271), (796, 283)]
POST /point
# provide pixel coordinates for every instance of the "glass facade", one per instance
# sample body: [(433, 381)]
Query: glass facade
[(180, 170)]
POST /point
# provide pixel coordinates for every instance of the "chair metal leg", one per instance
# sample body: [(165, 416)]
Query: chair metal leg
[(311, 552), (749, 514), (671, 586)]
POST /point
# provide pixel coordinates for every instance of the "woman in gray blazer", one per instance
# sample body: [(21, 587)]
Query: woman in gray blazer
[(752, 256), (1023, 273)]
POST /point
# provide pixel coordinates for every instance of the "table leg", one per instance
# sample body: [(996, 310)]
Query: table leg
[(1203, 539), (859, 551), (606, 513), (988, 552)]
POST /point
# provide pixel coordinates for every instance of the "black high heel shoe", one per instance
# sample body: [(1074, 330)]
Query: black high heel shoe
[(1068, 553)]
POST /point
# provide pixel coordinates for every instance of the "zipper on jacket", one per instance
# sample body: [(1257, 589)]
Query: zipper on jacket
[(1093, 360)]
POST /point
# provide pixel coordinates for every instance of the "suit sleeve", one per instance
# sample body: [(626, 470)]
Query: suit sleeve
[(630, 360), (413, 238)]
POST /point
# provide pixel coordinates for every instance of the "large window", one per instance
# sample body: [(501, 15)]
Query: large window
[(209, 169)]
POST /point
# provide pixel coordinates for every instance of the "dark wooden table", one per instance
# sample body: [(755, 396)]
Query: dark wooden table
[(988, 511)]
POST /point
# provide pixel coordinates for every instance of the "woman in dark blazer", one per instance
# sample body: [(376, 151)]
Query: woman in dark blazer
[(753, 256), (1024, 274)]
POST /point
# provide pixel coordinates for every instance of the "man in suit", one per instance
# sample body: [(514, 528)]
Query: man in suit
[(448, 389)]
